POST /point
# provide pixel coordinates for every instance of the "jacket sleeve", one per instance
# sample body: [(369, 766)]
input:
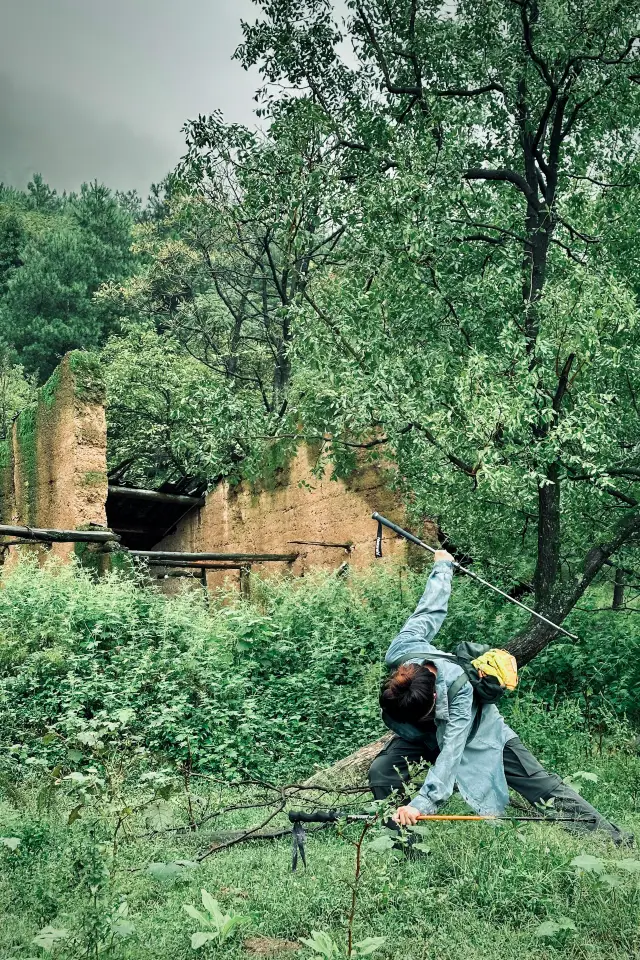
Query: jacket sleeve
[(441, 778), (428, 617)]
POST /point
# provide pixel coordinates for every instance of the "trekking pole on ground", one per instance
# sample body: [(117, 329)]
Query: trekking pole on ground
[(425, 546), (300, 817)]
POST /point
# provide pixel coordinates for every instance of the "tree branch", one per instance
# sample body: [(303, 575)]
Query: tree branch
[(508, 176), (527, 35), (474, 92)]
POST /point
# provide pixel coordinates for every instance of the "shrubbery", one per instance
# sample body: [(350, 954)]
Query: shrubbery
[(269, 687)]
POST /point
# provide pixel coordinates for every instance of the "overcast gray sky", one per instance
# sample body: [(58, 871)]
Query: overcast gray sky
[(100, 88)]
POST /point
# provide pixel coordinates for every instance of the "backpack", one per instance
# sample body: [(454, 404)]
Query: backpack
[(489, 670)]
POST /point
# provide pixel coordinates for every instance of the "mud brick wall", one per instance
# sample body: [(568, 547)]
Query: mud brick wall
[(292, 517), (53, 471)]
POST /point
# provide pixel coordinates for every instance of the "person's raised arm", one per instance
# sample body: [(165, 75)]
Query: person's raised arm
[(427, 618)]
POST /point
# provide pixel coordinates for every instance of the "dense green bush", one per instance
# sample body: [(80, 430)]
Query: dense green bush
[(269, 687)]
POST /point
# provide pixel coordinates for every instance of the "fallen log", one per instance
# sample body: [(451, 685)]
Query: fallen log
[(351, 771)]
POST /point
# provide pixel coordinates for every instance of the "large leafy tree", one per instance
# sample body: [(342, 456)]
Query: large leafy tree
[(483, 323), (244, 219)]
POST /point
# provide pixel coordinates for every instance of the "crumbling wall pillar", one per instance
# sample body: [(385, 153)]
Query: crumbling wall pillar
[(53, 470)]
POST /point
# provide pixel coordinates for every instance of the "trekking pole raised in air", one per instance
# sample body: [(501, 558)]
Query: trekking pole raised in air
[(425, 546)]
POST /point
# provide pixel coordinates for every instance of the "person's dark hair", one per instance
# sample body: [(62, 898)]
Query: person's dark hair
[(408, 694)]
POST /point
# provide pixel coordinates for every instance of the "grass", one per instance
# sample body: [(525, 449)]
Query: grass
[(480, 893), (107, 690)]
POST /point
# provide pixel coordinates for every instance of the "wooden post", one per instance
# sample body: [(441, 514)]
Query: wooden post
[(245, 582)]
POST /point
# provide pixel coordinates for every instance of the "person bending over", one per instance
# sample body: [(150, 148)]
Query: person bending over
[(483, 759)]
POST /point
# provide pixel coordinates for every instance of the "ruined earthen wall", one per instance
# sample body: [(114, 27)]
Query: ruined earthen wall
[(53, 473), (300, 512)]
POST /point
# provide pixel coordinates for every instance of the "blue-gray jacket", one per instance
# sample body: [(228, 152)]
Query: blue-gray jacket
[(477, 766)]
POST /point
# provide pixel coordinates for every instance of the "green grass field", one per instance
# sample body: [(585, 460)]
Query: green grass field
[(481, 892)]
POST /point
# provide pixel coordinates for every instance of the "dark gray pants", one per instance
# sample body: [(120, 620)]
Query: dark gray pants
[(390, 771)]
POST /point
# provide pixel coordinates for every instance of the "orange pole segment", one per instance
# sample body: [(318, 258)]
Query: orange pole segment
[(442, 816)]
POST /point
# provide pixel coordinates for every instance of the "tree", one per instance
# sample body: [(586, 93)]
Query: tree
[(486, 329), (263, 211), (55, 264), (12, 238), (225, 258), (16, 390)]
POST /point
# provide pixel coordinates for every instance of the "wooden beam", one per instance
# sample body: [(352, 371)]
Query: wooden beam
[(59, 536), (140, 531), (243, 558), (196, 565), (320, 543), (155, 496), (182, 574)]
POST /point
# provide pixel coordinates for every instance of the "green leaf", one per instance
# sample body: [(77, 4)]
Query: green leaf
[(588, 863), (75, 814), (199, 939), (368, 946), (422, 831), (322, 944), (49, 936), (380, 844), (89, 738), (610, 880), (196, 914), (159, 815), (231, 923), (212, 907), (122, 928), (165, 872), (12, 843), (631, 866), (550, 928)]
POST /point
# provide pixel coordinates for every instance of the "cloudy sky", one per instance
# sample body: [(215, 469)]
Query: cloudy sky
[(100, 88)]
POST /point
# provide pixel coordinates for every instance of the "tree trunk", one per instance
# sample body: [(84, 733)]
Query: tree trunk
[(548, 560), (618, 591), (537, 635)]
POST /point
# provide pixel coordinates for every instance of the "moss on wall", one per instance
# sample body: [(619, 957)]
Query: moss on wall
[(48, 393), (26, 442), (94, 478), (6, 481), (87, 373)]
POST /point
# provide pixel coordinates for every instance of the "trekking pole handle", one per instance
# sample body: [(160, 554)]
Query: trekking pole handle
[(473, 576), (318, 816)]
